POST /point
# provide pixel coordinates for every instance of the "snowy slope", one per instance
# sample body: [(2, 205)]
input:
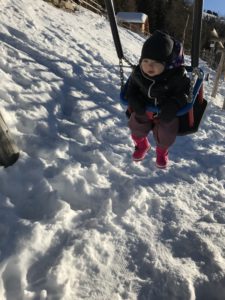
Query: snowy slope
[(78, 219)]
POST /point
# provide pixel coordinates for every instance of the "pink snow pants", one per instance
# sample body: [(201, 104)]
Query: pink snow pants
[(164, 133)]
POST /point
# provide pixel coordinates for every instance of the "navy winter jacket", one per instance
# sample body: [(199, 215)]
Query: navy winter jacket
[(169, 91)]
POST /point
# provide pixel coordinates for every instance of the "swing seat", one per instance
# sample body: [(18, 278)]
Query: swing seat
[(189, 122), (191, 114)]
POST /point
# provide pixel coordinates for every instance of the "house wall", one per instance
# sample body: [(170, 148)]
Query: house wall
[(137, 27)]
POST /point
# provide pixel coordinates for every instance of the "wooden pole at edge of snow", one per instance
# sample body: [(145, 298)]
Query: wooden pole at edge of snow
[(218, 74)]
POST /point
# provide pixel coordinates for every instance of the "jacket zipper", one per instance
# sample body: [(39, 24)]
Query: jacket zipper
[(150, 87)]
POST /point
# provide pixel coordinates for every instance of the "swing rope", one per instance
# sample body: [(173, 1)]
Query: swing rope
[(116, 38), (195, 47)]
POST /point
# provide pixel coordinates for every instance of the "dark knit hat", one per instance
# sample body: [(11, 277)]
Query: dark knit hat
[(158, 47)]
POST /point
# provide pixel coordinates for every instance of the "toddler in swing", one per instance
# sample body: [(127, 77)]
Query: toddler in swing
[(160, 79)]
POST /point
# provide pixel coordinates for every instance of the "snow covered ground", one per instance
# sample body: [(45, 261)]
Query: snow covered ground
[(78, 219)]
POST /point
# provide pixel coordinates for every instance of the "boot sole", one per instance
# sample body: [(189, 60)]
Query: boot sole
[(161, 167), (140, 159)]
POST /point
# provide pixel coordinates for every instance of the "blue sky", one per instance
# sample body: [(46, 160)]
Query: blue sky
[(215, 5)]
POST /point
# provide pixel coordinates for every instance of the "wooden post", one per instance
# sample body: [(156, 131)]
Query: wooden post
[(223, 104), (185, 28), (218, 73), (9, 152)]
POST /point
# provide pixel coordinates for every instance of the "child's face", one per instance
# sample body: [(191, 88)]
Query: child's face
[(151, 67)]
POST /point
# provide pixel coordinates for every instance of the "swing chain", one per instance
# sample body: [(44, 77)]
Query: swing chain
[(121, 69), (121, 73), (195, 73)]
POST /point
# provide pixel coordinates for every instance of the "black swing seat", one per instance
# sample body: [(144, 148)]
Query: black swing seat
[(191, 114)]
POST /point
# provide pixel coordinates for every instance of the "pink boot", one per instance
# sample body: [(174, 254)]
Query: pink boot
[(142, 146), (161, 158)]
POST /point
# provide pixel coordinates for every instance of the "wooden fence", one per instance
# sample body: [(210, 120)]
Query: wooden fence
[(74, 4), (92, 5)]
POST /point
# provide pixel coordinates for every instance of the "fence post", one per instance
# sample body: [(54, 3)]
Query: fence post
[(223, 104), (218, 73)]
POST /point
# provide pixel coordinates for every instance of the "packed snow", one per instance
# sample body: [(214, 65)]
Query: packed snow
[(79, 219)]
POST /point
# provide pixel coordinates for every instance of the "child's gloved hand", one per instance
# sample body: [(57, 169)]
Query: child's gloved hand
[(168, 112)]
